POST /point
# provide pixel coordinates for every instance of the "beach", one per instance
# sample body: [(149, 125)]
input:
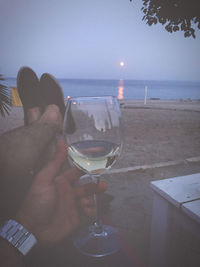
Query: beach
[(156, 132), (161, 140)]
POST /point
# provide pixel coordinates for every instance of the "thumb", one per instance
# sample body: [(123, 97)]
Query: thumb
[(53, 167)]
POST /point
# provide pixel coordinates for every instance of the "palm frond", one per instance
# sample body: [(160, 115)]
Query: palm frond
[(5, 102)]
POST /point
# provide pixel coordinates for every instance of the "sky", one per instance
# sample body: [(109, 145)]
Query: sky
[(88, 39)]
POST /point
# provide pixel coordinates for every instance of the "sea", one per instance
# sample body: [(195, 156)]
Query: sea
[(127, 89)]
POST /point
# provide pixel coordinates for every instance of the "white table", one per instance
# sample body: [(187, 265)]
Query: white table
[(175, 232)]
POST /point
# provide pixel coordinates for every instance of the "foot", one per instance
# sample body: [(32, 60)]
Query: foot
[(52, 116), (51, 92), (29, 90), (33, 114)]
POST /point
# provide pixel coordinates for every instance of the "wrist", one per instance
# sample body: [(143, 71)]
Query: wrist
[(25, 221), (17, 235), (9, 255)]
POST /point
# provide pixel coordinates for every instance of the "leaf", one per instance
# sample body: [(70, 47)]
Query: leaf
[(183, 26), (187, 34), (149, 23), (155, 20), (5, 102), (169, 28), (193, 35), (175, 28), (162, 20), (177, 14)]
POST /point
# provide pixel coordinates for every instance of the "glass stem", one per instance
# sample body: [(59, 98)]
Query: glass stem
[(97, 198)]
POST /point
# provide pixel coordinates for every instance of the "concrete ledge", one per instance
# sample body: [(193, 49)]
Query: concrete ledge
[(155, 165)]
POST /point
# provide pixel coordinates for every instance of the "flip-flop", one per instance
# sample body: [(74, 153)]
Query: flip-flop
[(51, 92), (28, 89)]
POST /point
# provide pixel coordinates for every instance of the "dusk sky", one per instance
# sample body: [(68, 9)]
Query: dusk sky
[(89, 39)]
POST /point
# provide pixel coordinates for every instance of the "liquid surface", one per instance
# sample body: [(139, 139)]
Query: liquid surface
[(93, 156)]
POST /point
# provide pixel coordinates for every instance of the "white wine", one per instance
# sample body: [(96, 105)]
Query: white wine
[(93, 156)]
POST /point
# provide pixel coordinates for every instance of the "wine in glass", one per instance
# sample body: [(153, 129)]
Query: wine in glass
[(92, 130)]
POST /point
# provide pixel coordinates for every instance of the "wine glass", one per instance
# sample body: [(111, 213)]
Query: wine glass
[(92, 130)]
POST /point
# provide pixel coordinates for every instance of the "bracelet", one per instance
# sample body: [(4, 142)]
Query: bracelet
[(18, 236)]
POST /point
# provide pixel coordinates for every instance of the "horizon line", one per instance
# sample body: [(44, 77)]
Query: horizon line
[(115, 79)]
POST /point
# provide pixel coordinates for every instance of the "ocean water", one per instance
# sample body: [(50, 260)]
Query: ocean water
[(127, 89)]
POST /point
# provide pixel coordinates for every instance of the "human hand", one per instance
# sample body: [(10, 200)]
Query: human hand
[(51, 210)]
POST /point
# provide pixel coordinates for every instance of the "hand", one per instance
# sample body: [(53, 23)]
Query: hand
[(51, 210)]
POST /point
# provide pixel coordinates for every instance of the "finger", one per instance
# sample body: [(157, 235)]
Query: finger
[(86, 190), (53, 167), (61, 149), (90, 188), (102, 186), (73, 174), (90, 211), (87, 201), (62, 183)]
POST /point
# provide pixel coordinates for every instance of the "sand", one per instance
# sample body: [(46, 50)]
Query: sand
[(161, 140), (156, 132)]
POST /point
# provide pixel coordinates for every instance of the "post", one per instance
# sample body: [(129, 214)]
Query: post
[(145, 95)]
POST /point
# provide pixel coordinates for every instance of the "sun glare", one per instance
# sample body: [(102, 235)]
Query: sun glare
[(121, 64)]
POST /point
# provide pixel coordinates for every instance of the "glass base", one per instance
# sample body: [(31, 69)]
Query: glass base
[(95, 244)]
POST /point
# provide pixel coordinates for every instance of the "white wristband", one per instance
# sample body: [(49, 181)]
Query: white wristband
[(18, 236)]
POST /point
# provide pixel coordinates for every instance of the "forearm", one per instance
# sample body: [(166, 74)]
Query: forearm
[(9, 256)]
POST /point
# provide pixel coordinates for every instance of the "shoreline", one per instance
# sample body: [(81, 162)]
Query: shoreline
[(187, 105)]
